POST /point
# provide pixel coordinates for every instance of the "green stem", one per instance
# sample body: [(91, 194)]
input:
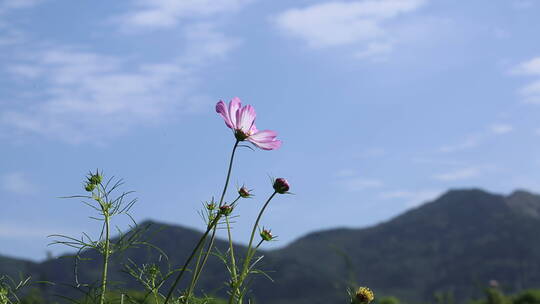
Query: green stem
[(258, 245), (195, 250), (197, 267), (228, 173), (231, 249), (105, 256), (207, 253), (212, 226), (249, 254)]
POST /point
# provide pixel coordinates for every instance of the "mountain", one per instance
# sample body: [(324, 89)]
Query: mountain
[(456, 243)]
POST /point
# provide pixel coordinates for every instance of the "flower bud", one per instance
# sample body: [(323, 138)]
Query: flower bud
[(244, 192), (96, 178), (281, 185), (211, 206), (89, 187), (225, 210), (364, 295), (266, 235)]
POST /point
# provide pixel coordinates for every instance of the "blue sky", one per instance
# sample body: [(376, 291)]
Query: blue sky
[(381, 105)]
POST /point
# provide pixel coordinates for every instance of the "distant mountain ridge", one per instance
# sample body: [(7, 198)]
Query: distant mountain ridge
[(456, 243)]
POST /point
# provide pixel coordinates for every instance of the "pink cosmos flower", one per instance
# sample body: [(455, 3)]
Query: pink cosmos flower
[(242, 121)]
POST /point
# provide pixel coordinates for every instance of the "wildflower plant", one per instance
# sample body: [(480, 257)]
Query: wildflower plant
[(104, 197), (9, 289)]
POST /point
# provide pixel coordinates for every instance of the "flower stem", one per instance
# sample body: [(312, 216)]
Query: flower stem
[(106, 252), (231, 250), (250, 252), (212, 226), (186, 264), (198, 269)]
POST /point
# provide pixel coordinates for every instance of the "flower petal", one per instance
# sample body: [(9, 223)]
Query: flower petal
[(264, 136), (270, 145), (265, 140), (234, 106), (221, 109), (253, 129), (245, 118)]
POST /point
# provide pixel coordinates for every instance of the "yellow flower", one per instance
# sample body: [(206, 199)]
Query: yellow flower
[(364, 295)]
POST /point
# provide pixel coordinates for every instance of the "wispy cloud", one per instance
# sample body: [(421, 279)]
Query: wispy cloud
[(469, 142), (522, 4), (530, 93), (345, 173), (17, 183), (155, 14), (358, 184), (83, 93), (363, 24), (530, 67), (460, 174), (476, 139), (7, 5), (501, 128), (412, 198)]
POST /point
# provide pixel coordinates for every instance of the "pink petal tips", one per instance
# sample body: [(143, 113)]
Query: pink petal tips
[(242, 121)]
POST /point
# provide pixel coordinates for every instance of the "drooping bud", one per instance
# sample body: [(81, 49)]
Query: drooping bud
[(281, 185), (225, 210), (244, 192), (266, 235), (364, 295)]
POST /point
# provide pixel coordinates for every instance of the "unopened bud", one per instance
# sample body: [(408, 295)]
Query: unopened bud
[(211, 206), (225, 210), (267, 235), (281, 185), (94, 178), (244, 192), (89, 187)]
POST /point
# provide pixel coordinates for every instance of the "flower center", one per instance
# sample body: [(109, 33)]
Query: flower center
[(240, 135)]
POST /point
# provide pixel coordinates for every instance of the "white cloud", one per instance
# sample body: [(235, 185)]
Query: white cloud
[(530, 93), (522, 4), (530, 67), (476, 139), (337, 23), (501, 128), (204, 42), (357, 184), (17, 183), (88, 93), (345, 173), (412, 198), (6, 5), (436, 161), (153, 14), (461, 174), (87, 96), (469, 142)]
